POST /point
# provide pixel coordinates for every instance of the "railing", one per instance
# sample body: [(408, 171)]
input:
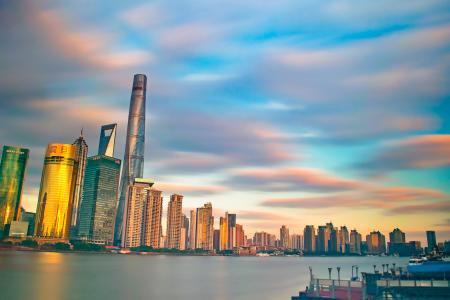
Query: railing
[(413, 283)]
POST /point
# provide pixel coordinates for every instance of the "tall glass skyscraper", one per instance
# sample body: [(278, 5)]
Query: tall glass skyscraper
[(133, 161), (107, 140), (98, 208), (81, 153), (56, 194), (12, 173)]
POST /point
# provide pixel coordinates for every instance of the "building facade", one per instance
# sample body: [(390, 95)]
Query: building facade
[(184, 236), (81, 157), (431, 241), (133, 161), (355, 242), (397, 236), (152, 215), (376, 243), (205, 227), (12, 175), (193, 230), (284, 237), (174, 214), (56, 193), (309, 239), (99, 201), (134, 212), (107, 140)]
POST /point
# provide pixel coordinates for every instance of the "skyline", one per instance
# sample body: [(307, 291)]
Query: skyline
[(233, 109)]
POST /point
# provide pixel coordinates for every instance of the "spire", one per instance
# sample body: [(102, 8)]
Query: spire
[(81, 133)]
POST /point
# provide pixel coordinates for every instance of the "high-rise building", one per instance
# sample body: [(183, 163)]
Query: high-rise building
[(174, 213), (323, 238), (397, 236), (296, 242), (107, 140), (56, 194), (152, 215), (355, 242), (12, 174), (231, 222), (133, 161), (431, 241), (223, 232), (334, 241), (193, 230), (81, 157), (98, 206), (376, 243), (205, 227), (184, 236), (134, 212), (216, 241), (240, 236), (264, 239), (284, 237), (309, 239), (344, 240)]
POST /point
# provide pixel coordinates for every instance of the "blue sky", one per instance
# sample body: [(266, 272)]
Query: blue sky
[(291, 112)]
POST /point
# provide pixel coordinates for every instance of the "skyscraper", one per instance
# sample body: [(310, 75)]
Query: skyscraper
[(231, 223), (98, 207), (223, 222), (174, 213), (56, 194), (151, 231), (81, 157), (284, 237), (431, 240), (107, 140), (309, 239), (355, 242), (134, 210), (193, 230), (240, 236), (296, 242), (397, 236), (323, 237), (205, 227), (344, 240), (133, 161), (184, 237), (12, 174), (376, 243)]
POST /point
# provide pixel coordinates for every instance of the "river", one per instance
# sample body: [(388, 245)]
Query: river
[(61, 276)]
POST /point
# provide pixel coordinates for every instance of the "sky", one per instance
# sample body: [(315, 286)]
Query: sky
[(285, 112)]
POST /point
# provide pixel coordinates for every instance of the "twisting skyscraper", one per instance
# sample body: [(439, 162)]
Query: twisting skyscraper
[(133, 161), (81, 153)]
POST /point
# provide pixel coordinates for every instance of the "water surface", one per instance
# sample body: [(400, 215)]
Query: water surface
[(48, 275)]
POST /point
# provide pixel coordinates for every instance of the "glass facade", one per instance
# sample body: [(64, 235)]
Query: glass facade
[(98, 207), (81, 156), (56, 194), (133, 160), (12, 173)]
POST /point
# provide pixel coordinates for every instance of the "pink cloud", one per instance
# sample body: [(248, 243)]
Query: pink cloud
[(292, 179), (187, 189), (88, 47), (418, 152)]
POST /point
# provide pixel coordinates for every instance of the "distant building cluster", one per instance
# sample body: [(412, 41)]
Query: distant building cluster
[(330, 240), (103, 200)]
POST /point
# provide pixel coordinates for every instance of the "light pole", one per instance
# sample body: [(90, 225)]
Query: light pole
[(339, 274), (329, 273)]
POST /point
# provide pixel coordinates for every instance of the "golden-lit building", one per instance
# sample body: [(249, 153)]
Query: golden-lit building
[(205, 227), (224, 232), (174, 216), (151, 223), (56, 194)]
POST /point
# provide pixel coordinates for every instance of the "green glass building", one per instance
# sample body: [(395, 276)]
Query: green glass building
[(12, 174), (99, 200)]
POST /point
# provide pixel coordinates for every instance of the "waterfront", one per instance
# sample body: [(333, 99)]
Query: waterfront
[(51, 275)]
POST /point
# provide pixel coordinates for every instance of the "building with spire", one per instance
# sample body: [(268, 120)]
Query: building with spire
[(133, 161), (81, 157), (205, 227)]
